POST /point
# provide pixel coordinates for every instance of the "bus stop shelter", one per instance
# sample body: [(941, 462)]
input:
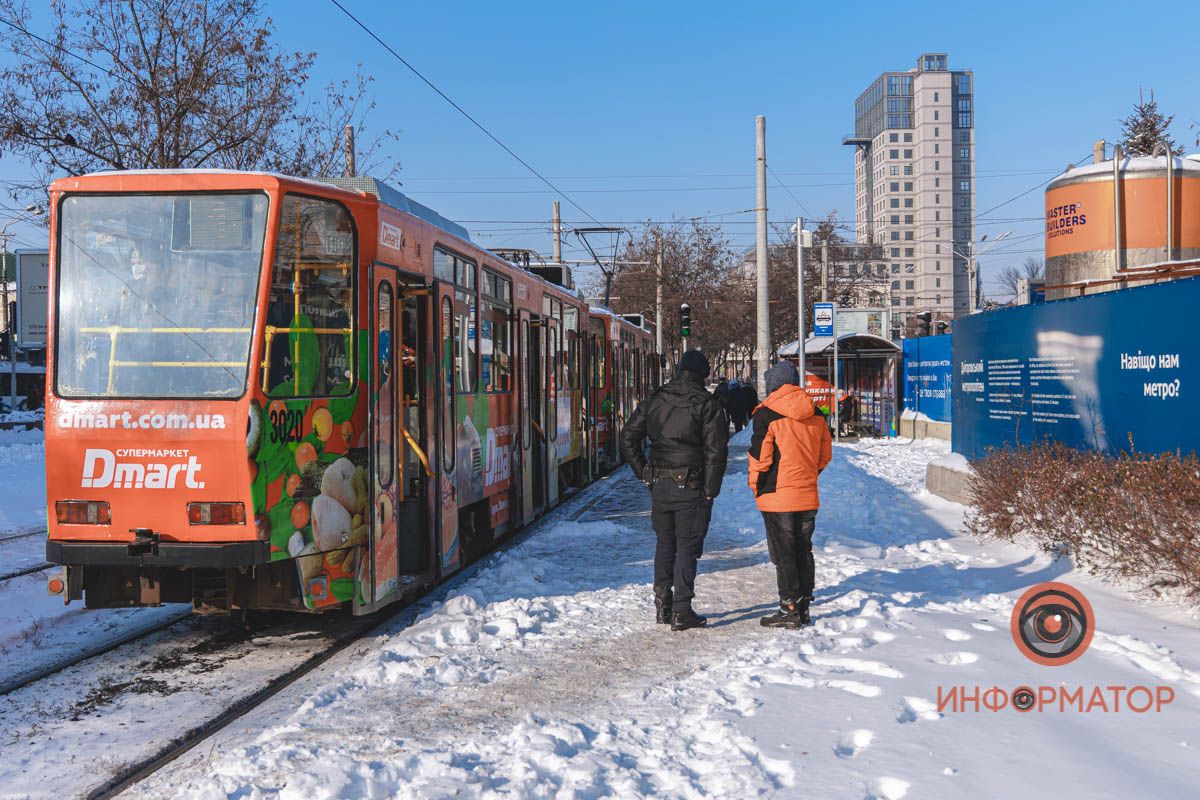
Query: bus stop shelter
[(867, 367)]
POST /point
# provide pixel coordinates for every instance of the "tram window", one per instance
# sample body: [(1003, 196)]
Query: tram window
[(386, 387), (448, 422), (310, 327), (454, 269), (572, 363), (496, 348), (157, 294), (464, 344)]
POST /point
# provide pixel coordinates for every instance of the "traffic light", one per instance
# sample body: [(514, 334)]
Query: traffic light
[(685, 319)]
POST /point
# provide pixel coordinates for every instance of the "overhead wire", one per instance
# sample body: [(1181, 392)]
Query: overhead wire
[(463, 111)]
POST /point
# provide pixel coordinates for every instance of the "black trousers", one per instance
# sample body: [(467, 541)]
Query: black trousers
[(789, 541), (680, 518)]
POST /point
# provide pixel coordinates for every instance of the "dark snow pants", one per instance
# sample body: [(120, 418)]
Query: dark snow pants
[(680, 518), (789, 541)]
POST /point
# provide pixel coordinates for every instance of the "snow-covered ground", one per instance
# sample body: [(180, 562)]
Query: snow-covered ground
[(22, 482), (36, 629), (542, 674)]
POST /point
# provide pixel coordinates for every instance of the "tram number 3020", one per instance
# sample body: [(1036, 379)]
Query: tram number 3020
[(287, 425)]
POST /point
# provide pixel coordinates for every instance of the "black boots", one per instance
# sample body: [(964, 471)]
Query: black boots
[(662, 608), (791, 614), (686, 620)]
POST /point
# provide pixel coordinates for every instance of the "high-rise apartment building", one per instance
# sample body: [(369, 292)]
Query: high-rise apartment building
[(914, 179)]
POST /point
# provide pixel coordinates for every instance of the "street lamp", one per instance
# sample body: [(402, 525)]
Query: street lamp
[(972, 253), (30, 211)]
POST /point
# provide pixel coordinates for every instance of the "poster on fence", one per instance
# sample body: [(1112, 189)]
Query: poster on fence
[(1110, 372), (928, 372)]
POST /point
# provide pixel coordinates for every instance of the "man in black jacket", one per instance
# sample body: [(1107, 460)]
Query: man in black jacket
[(689, 442)]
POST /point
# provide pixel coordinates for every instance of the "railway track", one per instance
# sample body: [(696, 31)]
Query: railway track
[(22, 534), (17, 573), (39, 673), (574, 504)]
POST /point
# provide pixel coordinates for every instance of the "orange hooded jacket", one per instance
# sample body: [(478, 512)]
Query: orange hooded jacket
[(790, 445)]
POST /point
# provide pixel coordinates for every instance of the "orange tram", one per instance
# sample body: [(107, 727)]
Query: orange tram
[(273, 393)]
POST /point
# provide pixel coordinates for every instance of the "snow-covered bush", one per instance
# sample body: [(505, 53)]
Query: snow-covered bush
[(1132, 516)]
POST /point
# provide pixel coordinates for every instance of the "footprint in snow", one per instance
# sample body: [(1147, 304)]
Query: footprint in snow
[(913, 709), (982, 626), (887, 788), (851, 743), (955, 659), (955, 635)]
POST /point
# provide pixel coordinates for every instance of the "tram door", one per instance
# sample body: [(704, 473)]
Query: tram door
[(533, 429), (554, 382), (397, 467)]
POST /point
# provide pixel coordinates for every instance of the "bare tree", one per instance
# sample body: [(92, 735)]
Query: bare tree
[(1032, 269), (852, 276), (699, 268), (128, 84)]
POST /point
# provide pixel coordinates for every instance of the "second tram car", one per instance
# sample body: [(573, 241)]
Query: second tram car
[(267, 392)]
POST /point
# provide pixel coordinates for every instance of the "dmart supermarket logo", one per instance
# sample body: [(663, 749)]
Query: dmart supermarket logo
[(1052, 625)]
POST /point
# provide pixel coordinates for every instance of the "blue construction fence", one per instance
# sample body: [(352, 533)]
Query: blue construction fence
[(1109, 372), (928, 377)]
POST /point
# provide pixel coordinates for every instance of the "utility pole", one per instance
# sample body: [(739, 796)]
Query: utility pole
[(762, 297), (824, 272), (557, 235), (800, 232), (658, 301), (350, 166)]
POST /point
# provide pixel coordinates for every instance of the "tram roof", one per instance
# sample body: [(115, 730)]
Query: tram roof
[(387, 195)]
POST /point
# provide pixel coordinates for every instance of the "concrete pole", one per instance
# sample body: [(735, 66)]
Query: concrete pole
[(837, 422), (800, 298), (971, 306), (658, 300), (825, 272), (761, 275), (557, 235), (350, 166)]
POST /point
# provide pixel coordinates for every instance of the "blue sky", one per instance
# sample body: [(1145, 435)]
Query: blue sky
[(646, 110)]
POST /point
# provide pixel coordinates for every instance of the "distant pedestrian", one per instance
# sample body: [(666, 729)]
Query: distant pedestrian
[(721, 392), (739, 412), (789, 448), (689, 441), (749, 397)]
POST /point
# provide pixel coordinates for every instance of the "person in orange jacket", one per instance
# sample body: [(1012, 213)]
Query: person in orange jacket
[(789, 448)]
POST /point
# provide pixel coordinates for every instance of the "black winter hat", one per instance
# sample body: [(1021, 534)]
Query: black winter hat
[(696, 363)]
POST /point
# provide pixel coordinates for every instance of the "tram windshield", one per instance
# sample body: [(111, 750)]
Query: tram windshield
[(157, 293)]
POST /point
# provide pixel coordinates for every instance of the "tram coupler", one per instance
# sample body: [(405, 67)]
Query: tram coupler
[(145, 542)]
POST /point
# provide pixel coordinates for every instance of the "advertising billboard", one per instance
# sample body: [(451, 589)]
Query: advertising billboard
[(875, 321), (1106, 372), (928, 377), (33, 277)]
